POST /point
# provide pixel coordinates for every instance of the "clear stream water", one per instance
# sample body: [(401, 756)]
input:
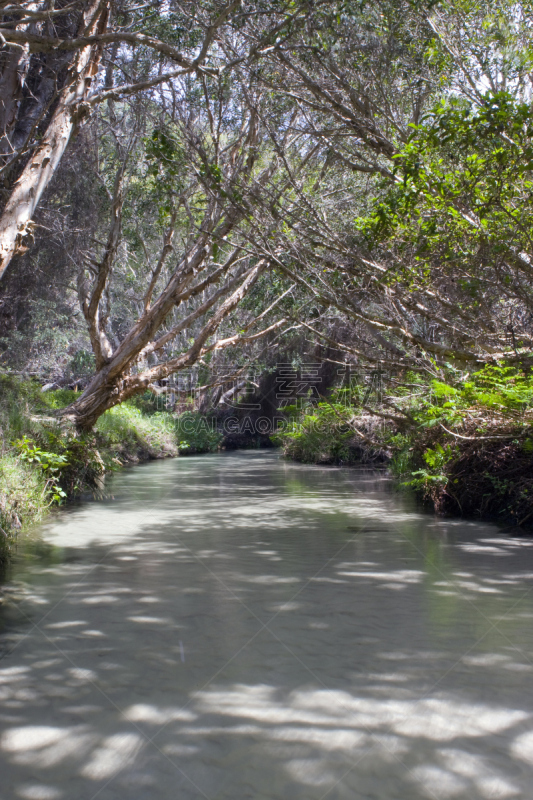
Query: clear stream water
[(236, 626)]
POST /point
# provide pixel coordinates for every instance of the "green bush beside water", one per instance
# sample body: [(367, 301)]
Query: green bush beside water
[(196, 433), (127, 432), (22, 493), (328, 433), (43, 461), (463, 443), (320, 435)]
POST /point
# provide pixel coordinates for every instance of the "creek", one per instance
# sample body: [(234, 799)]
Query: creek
[(237, 626)]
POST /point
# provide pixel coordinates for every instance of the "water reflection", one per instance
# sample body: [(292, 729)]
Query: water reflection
[(237, 627)]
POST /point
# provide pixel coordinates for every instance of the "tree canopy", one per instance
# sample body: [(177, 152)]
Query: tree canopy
[(217, 182)]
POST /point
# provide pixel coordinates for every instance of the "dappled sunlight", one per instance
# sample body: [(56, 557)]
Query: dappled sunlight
[(143, 712), (325, 725), (522, 747), (452, 782), (39, 792), (404, 576), (44, 746), (114, 753), (290, 641), (435, 719)]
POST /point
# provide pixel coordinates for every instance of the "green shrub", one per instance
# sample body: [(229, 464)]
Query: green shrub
[(196, 433), (44, 460), (494, 393), (148, 402), (82, 365), (51, 465), (23, 496), (323, 434), (58, 398), (433, 473)]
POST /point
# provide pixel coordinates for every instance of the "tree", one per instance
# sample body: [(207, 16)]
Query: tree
[(376, 156), (204, 172), (47, 71), (416, 227)]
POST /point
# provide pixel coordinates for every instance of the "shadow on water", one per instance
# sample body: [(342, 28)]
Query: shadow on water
[(234, 626)]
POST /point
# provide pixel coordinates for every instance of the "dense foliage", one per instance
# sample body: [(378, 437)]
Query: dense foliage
[(43, 461), (244, 184)]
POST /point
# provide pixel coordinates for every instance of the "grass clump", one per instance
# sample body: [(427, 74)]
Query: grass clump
[(129, 435)]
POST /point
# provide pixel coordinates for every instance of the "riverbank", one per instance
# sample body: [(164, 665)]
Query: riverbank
[(45, 462), (465, 450)]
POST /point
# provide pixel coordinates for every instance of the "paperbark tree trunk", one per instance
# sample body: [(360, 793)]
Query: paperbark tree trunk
[(16, 219), (113, 384)]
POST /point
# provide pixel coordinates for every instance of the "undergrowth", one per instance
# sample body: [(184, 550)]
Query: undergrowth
[(329, 433), (44, 461), (463, 442), (196, 433)]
